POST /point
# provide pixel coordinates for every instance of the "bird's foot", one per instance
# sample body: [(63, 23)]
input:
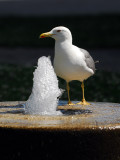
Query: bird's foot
[(83, 102), (70, 103)]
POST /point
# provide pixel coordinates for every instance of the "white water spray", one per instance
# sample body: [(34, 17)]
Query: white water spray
[(45, 92)]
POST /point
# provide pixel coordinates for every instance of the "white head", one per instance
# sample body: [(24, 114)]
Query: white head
[(59, 34)]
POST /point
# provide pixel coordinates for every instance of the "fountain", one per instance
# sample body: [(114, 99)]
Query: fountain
[(44, 97), (45, 128)]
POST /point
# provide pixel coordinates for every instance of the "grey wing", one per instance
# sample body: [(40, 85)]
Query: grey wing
[(88, 59)]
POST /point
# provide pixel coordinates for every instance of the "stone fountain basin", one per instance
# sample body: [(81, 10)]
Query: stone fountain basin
[(82, 132), (98, 115)]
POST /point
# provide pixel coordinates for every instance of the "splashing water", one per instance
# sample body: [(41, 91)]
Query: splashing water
[(45, 92)]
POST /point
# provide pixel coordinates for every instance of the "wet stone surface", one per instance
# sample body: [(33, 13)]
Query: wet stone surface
[(98, 115)]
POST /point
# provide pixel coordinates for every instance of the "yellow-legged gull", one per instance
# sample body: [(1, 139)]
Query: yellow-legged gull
[(70, 62)]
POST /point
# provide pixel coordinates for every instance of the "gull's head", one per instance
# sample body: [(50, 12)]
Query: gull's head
[(58, 33)]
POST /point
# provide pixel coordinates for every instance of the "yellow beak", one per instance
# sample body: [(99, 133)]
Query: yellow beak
[(47, 34)]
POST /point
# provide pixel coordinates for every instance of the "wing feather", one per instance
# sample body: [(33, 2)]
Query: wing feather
[(88, 59)]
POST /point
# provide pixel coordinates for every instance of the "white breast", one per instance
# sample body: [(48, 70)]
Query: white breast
[(69, 62)]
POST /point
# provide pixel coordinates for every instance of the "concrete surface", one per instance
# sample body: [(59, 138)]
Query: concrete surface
[(98, 115)]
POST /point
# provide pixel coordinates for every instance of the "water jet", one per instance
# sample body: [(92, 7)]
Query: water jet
[(45, 92)]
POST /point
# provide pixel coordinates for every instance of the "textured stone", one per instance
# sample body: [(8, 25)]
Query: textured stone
[(98, 115)]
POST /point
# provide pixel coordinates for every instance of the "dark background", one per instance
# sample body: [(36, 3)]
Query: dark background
[(95, 26)]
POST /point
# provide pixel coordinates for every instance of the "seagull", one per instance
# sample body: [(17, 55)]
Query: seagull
[(70, 62)]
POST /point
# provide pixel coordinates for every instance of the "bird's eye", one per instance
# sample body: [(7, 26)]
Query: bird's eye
[(58, 30)]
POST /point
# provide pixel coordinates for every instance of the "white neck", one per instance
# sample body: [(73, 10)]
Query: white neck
[(62, 44), (64, 41)]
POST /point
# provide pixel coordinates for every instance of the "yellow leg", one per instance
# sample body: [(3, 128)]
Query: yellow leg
[(83, 102), (68, 89)]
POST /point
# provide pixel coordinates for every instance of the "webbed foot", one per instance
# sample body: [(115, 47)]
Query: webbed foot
[(83, 102)]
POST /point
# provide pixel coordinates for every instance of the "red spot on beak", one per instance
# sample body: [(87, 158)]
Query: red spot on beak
[(42, 37)]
